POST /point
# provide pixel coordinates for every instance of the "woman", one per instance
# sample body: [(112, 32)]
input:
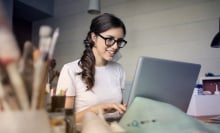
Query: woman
[(95, 82)]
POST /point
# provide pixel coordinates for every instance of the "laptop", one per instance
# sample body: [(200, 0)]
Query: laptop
[(164, 80)]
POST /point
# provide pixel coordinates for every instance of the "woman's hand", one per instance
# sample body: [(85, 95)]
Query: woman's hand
[(109, 108), (99, 108)]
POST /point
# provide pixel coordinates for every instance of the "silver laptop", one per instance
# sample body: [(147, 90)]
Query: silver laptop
[(164, 80)]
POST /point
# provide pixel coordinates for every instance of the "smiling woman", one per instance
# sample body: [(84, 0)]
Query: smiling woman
[(95, 82)]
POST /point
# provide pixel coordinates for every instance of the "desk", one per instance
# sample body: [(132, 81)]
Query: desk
[(202, 118), (207, 119)]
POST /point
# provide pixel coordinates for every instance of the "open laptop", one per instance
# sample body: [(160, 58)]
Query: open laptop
[(164, 80)]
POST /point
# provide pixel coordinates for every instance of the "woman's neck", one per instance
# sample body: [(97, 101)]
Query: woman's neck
[(100, 62)]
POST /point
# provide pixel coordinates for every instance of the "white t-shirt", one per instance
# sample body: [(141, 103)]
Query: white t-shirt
[(109, 82)]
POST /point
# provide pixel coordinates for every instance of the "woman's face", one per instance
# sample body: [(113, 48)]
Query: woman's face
[(104, 53)]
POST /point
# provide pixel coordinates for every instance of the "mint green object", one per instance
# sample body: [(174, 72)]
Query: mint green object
[(150, 116)]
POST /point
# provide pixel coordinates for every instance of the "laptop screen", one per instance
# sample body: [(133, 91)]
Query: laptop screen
[(164, 80)]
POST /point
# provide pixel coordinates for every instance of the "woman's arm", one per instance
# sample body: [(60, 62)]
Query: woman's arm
[(69, 103)]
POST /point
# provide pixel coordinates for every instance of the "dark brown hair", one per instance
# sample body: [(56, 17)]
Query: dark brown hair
[(99, 24)]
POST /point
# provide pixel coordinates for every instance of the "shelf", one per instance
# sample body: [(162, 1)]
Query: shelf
[(204, 105)]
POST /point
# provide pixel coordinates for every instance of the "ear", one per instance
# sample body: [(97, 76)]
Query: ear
[(93, 37)]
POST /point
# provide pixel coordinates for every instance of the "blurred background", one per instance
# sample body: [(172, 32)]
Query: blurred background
[(170, 29)]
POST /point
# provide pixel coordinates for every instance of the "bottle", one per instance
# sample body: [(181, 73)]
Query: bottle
[(216, 90), (199, 89), (70, 121)]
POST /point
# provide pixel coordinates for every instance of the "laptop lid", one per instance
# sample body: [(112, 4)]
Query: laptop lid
[(164, 80)]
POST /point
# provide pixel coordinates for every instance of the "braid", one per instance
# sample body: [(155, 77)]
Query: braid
[(87, 63)]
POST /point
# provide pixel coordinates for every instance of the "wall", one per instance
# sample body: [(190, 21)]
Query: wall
[(7, 6), (40, 5), (170, 29), (21, 13)]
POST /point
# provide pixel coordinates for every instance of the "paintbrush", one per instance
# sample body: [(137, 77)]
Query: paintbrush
[(4, 106), (40, 67), (44, 40), (18, 84), (8, 96), (53, 42), (42, 92), (26, 67)]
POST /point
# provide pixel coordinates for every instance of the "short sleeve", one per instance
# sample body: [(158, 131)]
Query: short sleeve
[(65, 81)]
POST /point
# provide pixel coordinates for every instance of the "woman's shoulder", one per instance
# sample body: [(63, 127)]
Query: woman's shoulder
[(72, 65), (114, 64)]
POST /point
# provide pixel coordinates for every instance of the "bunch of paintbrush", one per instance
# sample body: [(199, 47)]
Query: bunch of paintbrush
[(41, 65), (23, 77), (11, 82)]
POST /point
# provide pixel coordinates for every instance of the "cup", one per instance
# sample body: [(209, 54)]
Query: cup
[(57, 103)]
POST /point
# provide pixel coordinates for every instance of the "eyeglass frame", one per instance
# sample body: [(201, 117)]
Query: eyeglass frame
[(105, 39)]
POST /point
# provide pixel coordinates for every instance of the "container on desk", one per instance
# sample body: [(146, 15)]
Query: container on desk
[(57, 103), (24, 122), (204, 105)]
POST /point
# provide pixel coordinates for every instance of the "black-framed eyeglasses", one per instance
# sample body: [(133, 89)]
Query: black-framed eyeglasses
[(110, 41)]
